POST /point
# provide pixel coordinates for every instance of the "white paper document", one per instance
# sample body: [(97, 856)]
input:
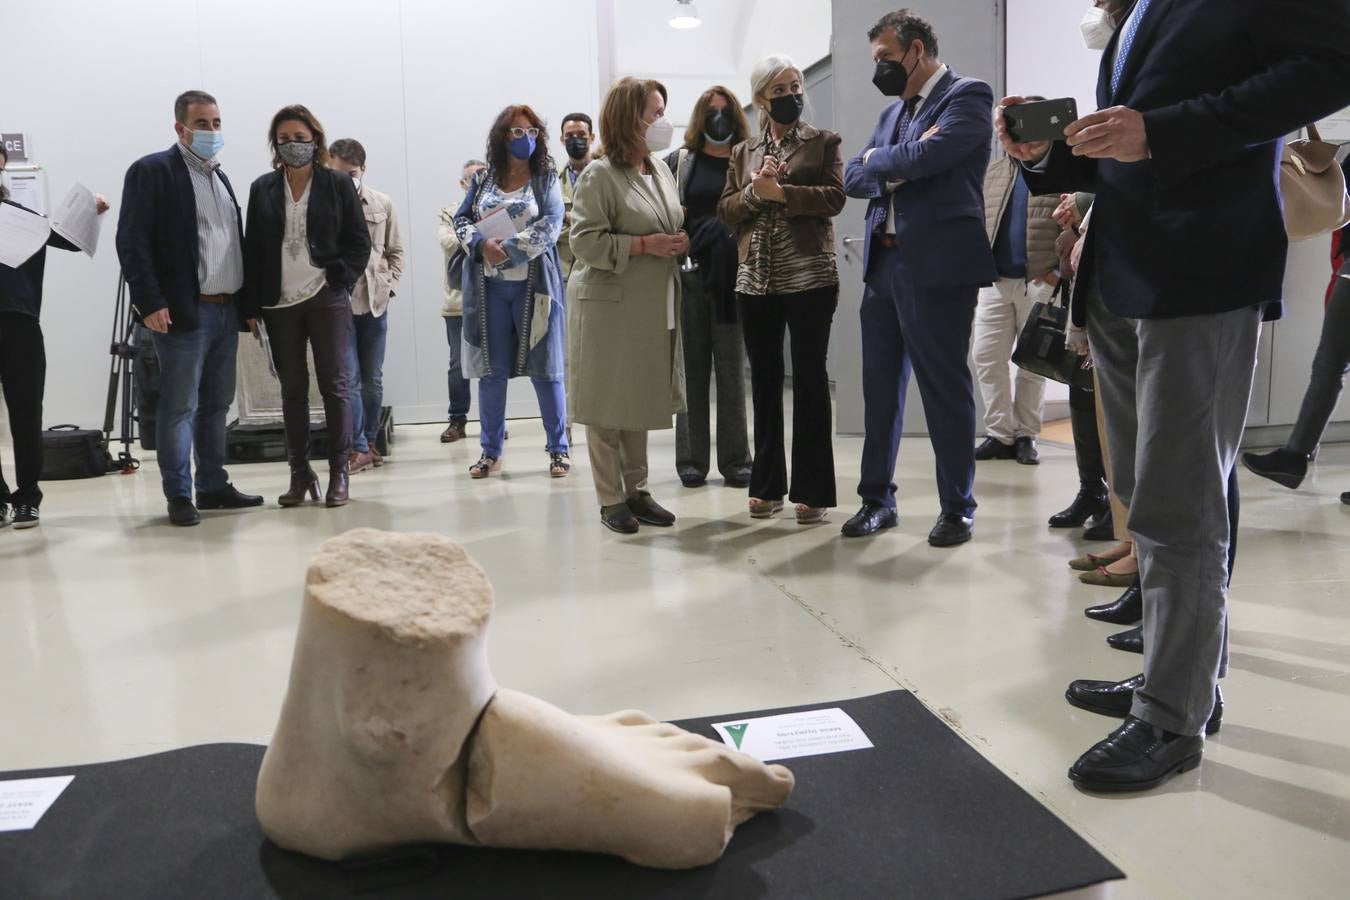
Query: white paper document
[(496, 226), (795, 734), (266, 344), (76, 219), (21, 234), (24, 801)]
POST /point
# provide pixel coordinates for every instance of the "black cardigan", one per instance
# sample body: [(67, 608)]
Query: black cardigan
[(339, 242)]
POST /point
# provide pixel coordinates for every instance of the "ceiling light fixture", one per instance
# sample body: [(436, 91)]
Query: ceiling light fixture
[(685, 15)]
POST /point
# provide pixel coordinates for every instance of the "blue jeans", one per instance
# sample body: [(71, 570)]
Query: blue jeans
[(457, 386), (196, 390), (366, 363), (504, 306)]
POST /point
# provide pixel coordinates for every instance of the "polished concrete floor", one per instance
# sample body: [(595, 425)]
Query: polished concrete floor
[(121, 636)]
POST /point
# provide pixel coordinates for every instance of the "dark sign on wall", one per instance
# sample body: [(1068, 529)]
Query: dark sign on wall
[(16, 146)]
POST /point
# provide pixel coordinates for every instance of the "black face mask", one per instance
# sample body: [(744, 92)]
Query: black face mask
[(892, 77), (577, 147), (717, 127), (786, 109)]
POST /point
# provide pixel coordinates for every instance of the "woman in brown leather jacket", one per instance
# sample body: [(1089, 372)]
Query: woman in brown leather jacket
[(783, 187)]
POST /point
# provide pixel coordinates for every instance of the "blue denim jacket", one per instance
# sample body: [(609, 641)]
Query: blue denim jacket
[(543, 342)]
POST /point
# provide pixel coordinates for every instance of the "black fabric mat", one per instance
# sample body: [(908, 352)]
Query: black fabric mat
[(922, 815)]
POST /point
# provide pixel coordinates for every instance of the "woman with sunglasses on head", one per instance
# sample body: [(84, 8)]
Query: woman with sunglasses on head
[(305, 244), (513, 287)]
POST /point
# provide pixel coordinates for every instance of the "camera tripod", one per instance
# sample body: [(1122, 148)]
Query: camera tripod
[(121, 384)]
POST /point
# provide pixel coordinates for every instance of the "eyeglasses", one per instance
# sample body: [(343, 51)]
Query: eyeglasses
[(518, 133)]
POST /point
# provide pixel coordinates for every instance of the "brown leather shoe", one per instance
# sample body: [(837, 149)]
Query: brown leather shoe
[(337, 487), (359, 462), (303, 481), (375, 457), (453, 432)]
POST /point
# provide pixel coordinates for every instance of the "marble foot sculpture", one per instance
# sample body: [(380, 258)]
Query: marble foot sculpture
[(394, 732)]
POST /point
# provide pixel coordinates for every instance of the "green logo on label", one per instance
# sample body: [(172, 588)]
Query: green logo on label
[(737, 733)]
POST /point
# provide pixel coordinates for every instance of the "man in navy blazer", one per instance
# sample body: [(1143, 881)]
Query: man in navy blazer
[(180, 243), (926, 257), (1184, 258)]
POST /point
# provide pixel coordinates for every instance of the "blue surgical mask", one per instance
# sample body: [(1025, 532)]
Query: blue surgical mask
[(522, 147), (207, 144)]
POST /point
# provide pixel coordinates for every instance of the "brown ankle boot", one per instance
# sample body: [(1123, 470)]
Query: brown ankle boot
[(303, 481), (337, 485)]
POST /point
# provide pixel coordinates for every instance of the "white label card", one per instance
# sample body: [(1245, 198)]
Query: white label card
[(794, 735), (24, 801)]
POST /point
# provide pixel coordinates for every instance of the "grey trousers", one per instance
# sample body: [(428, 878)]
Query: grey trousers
[(711, 346), (1329, 366), (1175, 393), (618, 463)]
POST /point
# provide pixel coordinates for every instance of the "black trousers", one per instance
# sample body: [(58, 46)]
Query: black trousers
[(324, 322), (23, 375), (806, 316)]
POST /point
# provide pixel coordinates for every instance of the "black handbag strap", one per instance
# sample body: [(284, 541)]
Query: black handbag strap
[(64, 428)]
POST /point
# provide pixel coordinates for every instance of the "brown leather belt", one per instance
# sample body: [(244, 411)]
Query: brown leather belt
[(213, 298), (888, 241)]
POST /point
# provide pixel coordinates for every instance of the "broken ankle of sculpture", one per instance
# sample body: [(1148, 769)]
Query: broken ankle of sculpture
[(393, 732)]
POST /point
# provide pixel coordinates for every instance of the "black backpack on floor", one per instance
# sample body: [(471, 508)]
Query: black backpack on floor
[(69, 452)]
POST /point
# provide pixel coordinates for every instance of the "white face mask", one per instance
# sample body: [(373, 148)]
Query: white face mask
[(1098, 28), (1039, 292), (659, 134)]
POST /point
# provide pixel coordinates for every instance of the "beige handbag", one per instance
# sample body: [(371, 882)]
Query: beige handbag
[(1313, 185)]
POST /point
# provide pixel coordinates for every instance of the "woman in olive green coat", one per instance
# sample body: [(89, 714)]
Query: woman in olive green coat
[(627, 374)]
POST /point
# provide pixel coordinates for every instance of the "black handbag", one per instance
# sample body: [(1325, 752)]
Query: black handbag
[(1041, 346), (69, 452)]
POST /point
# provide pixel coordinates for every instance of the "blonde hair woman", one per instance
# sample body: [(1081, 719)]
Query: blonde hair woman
[(623, 298), (782, 189)]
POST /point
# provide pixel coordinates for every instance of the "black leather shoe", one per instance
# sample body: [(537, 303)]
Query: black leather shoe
[(951, 530), (692, 480), (1102, 528), (1087, 504), (649, 512), (1025, 450), (1131, 641), (738, 480), (1136, 757), (993, 448), (1345, 498), (1114, 698), (1127, 610), (227, 497), (183, 513), (873, 517), (1283, 466), (619, 519)]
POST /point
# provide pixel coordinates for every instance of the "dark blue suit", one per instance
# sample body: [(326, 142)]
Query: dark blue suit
[(157, 237), (919, 299)]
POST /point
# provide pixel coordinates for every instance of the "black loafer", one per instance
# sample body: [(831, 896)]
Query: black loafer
[(691, 480), (873, 517), (1126, 610), (227, 497), (738, 480), (1114, 698), (649, 512), (1088, 504), (182, 513), (1136, 756), (1026, 452), (619, 519), (993, 448), (1285, 467), (1101, 528), (1131, 641), (951, 530)]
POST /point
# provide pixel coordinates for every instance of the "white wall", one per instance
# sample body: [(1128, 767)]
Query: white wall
[(417, 81), (1046, 55)]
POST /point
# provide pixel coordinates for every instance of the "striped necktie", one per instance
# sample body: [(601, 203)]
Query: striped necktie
[(1127, 44), (882, 212)]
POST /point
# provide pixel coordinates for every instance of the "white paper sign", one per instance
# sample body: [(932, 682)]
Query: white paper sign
[(22, 234), (77, 219), (795, 734), (24, 801)]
